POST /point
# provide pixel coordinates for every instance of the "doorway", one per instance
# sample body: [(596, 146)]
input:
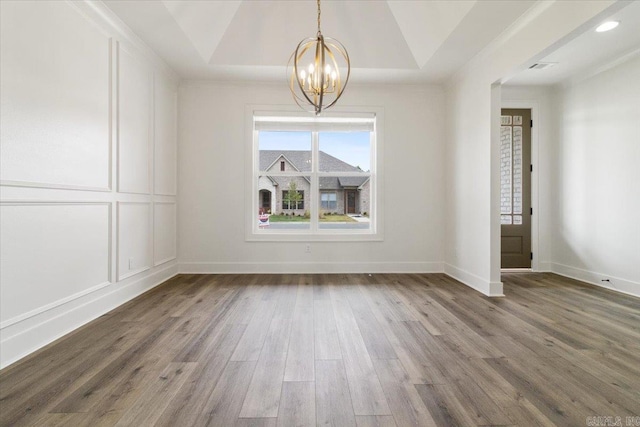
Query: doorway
[(265, 201), (350, 196), (515, 188)]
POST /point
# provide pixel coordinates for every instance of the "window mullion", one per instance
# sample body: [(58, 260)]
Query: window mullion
[(315, 184)]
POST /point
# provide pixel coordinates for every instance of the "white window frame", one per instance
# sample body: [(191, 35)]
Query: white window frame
[(312, 203)]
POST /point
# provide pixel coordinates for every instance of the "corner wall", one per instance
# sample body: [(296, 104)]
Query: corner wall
[(88, 170), (596, 232)]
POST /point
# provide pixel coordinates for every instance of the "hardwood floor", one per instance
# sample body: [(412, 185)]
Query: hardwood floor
[(340, 350)]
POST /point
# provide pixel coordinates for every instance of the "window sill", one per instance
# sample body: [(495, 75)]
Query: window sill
[(320, 237)]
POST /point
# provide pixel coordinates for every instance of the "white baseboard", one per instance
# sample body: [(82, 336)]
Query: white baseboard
[(309, 267), (23, 338), (490, 289), (616, 283)]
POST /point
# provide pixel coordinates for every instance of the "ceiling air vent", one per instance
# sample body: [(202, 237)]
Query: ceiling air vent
[(542, 65)]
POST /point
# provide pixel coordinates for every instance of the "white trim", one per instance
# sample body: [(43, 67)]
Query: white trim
[(10, 183), (534, 106), (309, 267), (617, 284), (52, 305), (164, 261), (48, 330), (374, 233), (490, 289), (133, 273), (110, 23)]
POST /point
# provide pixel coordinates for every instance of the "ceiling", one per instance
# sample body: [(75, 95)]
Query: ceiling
[(589, 52), (388, 41), (395, 41)]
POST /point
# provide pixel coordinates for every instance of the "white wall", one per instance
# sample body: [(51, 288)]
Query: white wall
[(596, 232), (213, 146), (472, 156), (88, 190)]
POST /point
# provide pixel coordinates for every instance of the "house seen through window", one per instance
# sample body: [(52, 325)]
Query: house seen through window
[(314, 176)]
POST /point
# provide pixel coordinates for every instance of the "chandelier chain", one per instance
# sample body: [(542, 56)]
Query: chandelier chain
[(319, 17)]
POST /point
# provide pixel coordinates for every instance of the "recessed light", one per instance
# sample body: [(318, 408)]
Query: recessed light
[(609, 25)]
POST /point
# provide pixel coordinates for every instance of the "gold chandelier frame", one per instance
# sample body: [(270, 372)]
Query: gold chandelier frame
[(323, 85)]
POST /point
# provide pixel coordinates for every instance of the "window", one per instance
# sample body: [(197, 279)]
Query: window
[(292, 199), (321, 173), (328, 201), (511, 170)]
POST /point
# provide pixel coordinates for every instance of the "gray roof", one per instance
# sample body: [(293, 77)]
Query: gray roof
[(301, 160)]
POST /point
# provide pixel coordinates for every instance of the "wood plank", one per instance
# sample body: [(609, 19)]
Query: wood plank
[(366, 392), (300, 356), (192, 397), (263, 396), (444, 405), (375, 421), (149, 407), (224, 404), (297, 404), (325, 331), (333, 401), (405, 403), (252, 341)]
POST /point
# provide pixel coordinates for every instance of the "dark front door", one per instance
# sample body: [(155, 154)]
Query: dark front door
[(350, 195), (515, 188), (265, 200)]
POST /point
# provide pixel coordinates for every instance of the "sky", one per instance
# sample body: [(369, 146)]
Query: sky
[(350, 147)]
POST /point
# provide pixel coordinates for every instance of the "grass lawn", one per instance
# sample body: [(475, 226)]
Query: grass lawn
[(284, 218), (327, 218), (337, 218)]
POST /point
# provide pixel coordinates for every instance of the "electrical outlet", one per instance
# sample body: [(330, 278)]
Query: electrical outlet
[(307, 248)]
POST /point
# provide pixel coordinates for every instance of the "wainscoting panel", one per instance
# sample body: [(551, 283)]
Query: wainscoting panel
[(76, 170), (51, 254), (165, 136), (134, 116), (55, 97), (164, 234), (134, 238)]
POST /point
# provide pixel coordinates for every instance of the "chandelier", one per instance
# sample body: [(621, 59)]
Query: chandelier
[(317, 67)]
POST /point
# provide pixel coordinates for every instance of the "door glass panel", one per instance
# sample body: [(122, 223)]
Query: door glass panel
[(511, 179), (517, 169), (505, 171)]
